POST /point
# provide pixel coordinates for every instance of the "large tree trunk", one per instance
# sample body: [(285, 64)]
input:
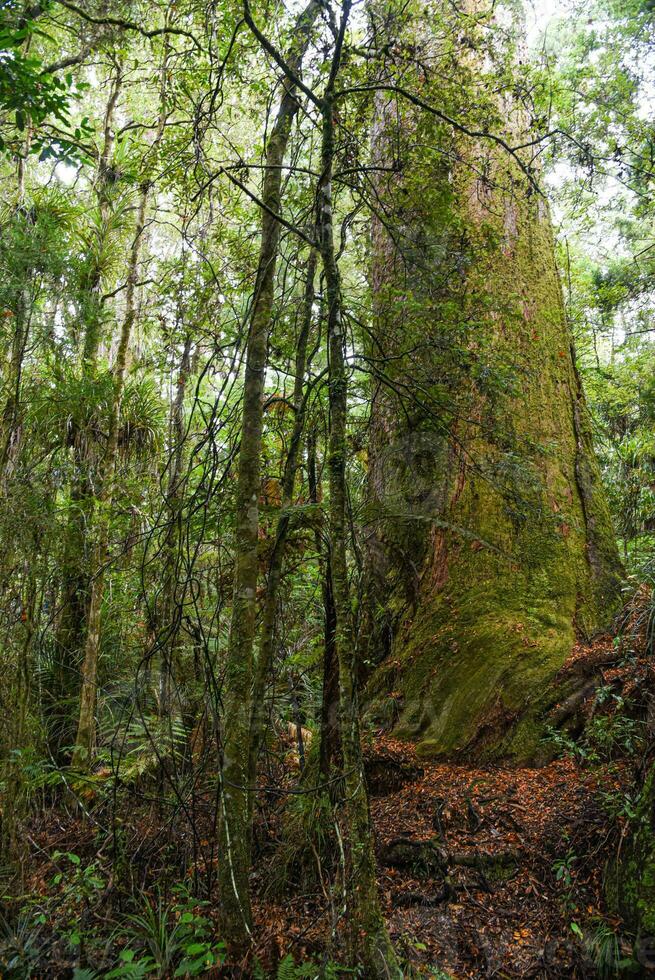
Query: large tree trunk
[(492, 545)]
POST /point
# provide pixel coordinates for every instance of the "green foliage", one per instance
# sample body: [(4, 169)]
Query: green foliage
[(72, 409), (307, 851), (611, 733), (288, 969), (78, 886), (564, 869), (35, 772), (603, 946), (641, 612), (475, 359), (169, 940), (20, 946), (616, 733), (30, 94), (143, 745), (562, 744), (622, 806)]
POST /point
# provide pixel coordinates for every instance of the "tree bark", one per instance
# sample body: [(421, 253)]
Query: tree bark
[(236, 805), (492, 543), (368, 934), (267, 633), (168, 627), (329, 720)]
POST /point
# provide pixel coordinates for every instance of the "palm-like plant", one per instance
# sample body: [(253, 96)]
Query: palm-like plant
[(153, 928), (72, 408)]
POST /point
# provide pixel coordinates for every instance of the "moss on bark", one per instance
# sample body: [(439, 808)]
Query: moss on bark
[(630, 878), (484, 566)]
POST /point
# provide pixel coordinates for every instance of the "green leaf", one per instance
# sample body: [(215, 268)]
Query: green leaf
[(194, 967), (193, 949)]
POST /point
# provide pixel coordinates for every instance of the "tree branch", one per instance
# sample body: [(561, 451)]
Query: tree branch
[(277, 57), (458, 126), (127, 25)]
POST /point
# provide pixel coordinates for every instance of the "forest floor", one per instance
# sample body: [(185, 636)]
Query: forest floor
[(503, 908), (493, 871), (483, 871)]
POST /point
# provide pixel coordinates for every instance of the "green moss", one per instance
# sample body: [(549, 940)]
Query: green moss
[(630, 878), (484, 603)]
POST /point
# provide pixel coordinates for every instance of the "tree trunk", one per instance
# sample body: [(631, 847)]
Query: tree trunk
[(492, 544), (76, 581), (85, 740), (168, 626), (13, 849), (329, 721), (368, 934), (236, 805), (267, 636)]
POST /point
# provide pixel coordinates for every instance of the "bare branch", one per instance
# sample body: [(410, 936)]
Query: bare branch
[(127, 25)]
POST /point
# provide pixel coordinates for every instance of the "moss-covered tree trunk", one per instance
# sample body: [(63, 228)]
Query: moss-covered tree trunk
[(86, 728), (492, 546), (276, 565), (236, 795), (329, 721), (168, 621), (368, 933), (13, 847)]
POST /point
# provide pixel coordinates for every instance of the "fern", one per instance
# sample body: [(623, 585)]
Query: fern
[(287, 969)]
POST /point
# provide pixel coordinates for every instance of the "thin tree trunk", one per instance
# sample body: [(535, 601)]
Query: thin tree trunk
[(12, 843), (267, 635), (169, 625), (11, 424), (86, 726), (369, 936), (85, 740), (76, 583), (329, 721), (236, 808), (11, 427)]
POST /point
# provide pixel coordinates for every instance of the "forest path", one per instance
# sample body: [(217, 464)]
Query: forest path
[(504, 833), (482, 871)]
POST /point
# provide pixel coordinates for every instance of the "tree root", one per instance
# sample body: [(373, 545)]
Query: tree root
[(429, 857)]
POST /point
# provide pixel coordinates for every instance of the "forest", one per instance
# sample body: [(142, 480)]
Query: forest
[(327, 489)]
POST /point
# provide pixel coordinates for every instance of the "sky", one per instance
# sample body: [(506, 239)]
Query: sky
[(539, 13)]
